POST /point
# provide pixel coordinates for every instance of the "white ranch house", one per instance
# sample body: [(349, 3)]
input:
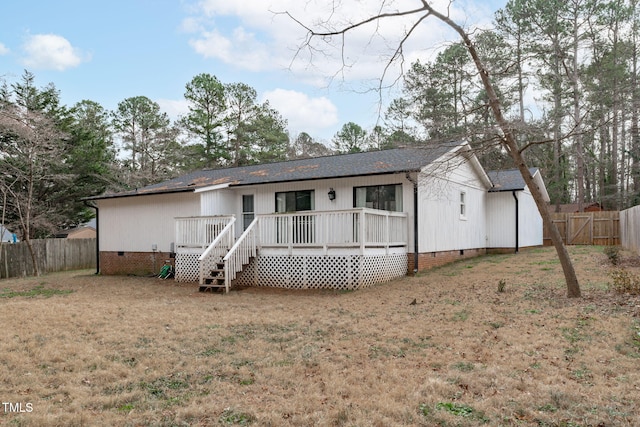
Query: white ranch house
[(340, 222)]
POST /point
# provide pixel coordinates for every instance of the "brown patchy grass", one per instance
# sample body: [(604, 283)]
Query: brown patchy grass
[(143, 351)]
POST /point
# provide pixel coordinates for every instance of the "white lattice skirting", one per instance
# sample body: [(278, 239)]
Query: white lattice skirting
[(343, 272), (187, 267)]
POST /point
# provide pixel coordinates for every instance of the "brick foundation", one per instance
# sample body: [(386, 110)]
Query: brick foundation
[(143, 263), (430, 260), (500, 251), (496, 251), (132, 263)]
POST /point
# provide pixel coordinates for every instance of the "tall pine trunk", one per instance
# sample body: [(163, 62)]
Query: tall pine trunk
[(510, 143)]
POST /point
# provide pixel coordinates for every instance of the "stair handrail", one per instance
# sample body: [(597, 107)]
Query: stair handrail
[(240, 254), (226, 233)]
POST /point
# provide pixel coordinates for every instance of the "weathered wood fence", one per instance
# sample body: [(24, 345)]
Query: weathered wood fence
[(587, 228), (630, 228), (51, 255)]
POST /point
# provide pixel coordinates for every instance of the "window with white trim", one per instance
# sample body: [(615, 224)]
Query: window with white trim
[(463, 205), (383, 197), (248, 210), (295, 201)]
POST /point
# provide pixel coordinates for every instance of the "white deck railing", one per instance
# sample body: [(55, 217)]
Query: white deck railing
[(245, 248), (384, 228), (359, 227), (353, 229), (216, 250), (200, 231)]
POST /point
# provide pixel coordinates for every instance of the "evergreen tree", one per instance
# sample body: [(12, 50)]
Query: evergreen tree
[(205, 121), (351, 138)]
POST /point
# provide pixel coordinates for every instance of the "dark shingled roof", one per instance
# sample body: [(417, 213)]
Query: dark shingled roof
[(338, 166), (508, 180)]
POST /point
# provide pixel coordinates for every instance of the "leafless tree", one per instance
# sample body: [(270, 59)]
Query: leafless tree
[(30, 146), (325, 32)]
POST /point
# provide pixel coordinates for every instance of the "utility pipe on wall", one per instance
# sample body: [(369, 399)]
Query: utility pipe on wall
[(517, 220), (415, 221), (415, 228)]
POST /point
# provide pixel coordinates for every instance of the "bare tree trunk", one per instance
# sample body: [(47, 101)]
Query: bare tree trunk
[(622, 178), (557, 151), (601, 164), (26, 224), (577, 120), (634, 150), (2, 229), (635, 125), (614, 152), (509, 140)]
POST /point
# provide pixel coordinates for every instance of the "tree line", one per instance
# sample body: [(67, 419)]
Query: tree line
[(579, 59), (52, 156)]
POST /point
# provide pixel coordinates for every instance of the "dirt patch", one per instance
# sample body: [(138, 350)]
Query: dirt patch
[(443, 348)]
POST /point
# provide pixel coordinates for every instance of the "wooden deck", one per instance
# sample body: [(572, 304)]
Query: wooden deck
[(208, 251)]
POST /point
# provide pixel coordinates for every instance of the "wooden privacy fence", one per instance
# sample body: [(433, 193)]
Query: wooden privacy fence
[(51, 255), (630, 228), (586, 228)]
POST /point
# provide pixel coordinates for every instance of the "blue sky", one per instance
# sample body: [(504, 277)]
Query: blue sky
[(107, 51)]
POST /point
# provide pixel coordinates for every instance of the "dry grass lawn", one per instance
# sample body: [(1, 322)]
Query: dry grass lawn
[(444, 348)]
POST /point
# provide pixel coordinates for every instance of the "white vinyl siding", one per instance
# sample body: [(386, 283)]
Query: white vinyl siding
[(501, 222), (439, 225), (135, 224), (217, 202), (265, 202)]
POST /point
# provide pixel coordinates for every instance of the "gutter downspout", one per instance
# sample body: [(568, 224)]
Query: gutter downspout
[(517, 220), (97, 234), (415, 228), (415, 222)]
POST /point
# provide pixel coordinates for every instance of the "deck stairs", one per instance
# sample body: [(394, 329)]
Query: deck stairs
[(226, 256), (215, 280)]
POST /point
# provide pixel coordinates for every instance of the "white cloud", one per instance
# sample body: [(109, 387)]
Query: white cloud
[(191, 25), (259, 36), (303, 113), (3, 49), (174, 108), (241, 48), (51, 51)]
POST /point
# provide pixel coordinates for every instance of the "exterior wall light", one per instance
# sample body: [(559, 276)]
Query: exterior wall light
[(332, 194)]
